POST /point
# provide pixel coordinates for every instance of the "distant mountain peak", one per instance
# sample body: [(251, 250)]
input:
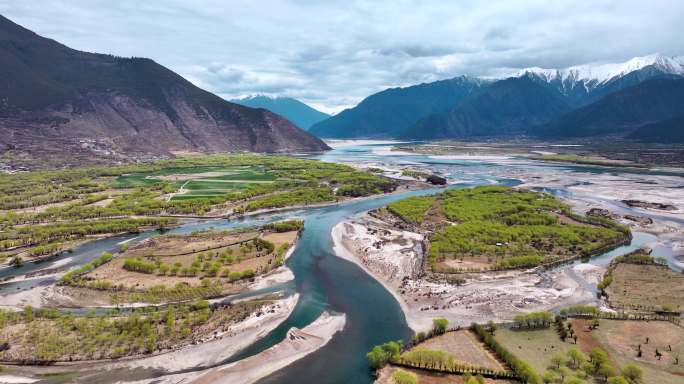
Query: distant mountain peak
[(303, 115), (257, 96), (593, 75)]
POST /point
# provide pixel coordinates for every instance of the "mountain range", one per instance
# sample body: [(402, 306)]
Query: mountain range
[(390, 112), (54, 98), (294, 110), (623, 99)]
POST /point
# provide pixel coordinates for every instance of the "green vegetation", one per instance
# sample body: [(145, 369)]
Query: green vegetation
[(297, 197), (382, 354), (85, 268), (501, 228), (403, 377), (521, 368), (42, 336), (285, 226), (439, 325), (161, 294), (41, 212), (580, 309), (415, 174), (412, 209), (37, 235), (533, 320), (428, 358)]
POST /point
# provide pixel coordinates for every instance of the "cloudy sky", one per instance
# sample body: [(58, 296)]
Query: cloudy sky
[(332, 54)]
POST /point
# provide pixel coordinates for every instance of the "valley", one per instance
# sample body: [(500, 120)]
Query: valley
[(223, 215), (389, 193)]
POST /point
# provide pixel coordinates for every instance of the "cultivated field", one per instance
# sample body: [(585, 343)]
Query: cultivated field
[(646, 287), (534, 346), (619, 338), (466, 349)]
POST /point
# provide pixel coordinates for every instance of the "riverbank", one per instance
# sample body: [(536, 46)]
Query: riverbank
[(498, 296), (51, 294), (205, 351), (297, 344), (606, 193), (217, 347)]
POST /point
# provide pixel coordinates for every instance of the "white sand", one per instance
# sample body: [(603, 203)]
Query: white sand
[(278, 276), (218, 347), (11, 379), (296, 345), (497, 296)]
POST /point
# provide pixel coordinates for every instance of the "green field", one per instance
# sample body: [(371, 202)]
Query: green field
[(534, 346), (40, 212), (225, 180)]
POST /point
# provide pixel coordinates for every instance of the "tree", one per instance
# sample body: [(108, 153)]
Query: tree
[(549, 377), (28, 313), (404, 377), (492, 327), (558, 360), (576, 357), (599, 360), (617, 380), (574, 380), (633, 374), (439, 325), (564, 372), (381, 354), (377, 357)]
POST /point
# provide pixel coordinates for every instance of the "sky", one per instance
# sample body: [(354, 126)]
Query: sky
[(332, 54)]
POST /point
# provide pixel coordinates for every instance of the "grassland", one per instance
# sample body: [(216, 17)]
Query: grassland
[(620, 340), (490, 228), (42, 213), (534, 346)]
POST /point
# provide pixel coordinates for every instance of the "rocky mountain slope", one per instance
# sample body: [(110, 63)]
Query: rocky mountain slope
[(624, 112), (60, 100), (505, 108), (541, 102), (390, 112)]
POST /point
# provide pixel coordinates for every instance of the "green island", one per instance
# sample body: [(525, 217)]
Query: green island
[(47, 336), (43, 213), (496, 228), (181, 268)]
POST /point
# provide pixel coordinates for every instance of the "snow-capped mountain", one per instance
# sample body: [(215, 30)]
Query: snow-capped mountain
[(583, 84), (602, 73)]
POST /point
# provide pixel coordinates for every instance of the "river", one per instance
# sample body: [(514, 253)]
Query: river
[(326, 282)]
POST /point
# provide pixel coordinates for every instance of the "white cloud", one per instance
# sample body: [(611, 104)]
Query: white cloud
[(333, 53)]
